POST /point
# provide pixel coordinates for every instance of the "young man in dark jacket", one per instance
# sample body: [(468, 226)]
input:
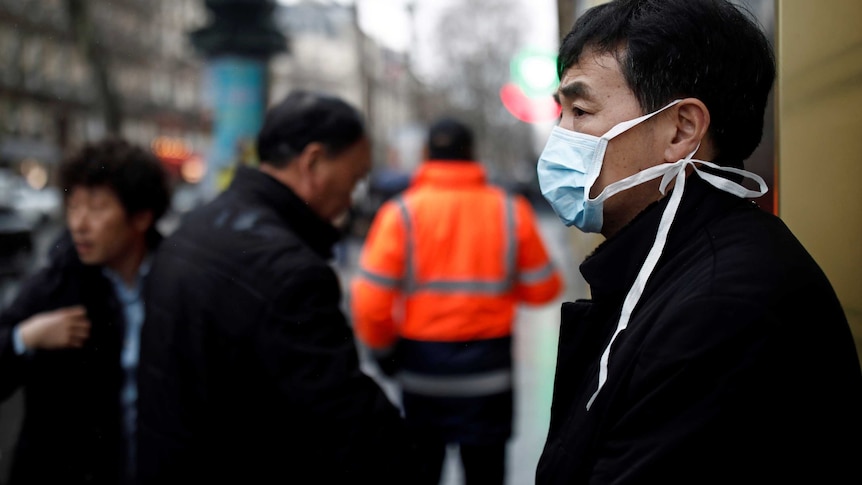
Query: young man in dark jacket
[(249, 370), (70, 337), (714, 349)]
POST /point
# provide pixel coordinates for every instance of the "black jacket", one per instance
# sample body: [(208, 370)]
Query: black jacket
[(249, 371), (71, 428), (737, 366)]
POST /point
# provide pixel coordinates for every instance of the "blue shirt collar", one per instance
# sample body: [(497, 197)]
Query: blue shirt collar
[(124, 291)]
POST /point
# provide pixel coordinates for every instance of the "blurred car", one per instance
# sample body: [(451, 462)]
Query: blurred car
[(34, 206), (187, 197), (38, 206), (382, 185), (16, 243), (184, 199)]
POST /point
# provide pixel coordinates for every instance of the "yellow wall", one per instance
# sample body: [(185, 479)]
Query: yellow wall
[(819, 138)]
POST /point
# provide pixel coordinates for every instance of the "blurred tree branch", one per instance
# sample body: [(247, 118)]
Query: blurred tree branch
[(84, 33), (477, 40), (565, 16)]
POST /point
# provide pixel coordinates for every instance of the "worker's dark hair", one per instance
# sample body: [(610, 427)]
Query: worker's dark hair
[(449, 139)]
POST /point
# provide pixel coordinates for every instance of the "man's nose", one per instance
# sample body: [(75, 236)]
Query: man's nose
[(78, 220)]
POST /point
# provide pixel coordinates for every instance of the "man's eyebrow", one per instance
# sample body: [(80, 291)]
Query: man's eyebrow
[(575, 89)]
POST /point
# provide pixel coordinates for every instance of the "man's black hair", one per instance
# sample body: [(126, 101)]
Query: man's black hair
[(669, 49), (135, 175), (449, 139), (304, 117)]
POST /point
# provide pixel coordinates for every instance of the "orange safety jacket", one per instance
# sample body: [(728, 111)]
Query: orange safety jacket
[(448, 261)]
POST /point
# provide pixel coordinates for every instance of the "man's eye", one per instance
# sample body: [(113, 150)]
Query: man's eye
[(578, 111)]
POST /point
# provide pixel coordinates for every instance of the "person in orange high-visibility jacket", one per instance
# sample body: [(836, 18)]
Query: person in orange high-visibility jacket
[(442, 270)]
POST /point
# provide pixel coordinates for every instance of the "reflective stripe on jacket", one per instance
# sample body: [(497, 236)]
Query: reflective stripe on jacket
[(449, 260)]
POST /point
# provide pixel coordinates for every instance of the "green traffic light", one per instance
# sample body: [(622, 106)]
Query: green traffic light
[(535, 71)]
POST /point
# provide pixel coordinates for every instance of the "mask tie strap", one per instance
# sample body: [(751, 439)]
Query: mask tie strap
[(675, 171), (646, 270), (667, 170), (730, 186)]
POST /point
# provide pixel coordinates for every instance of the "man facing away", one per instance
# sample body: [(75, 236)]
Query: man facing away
[(70, 338), (714, 349), (441, 273), (249, 371)]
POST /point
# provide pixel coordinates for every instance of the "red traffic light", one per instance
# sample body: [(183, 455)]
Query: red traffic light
[(527, 109)]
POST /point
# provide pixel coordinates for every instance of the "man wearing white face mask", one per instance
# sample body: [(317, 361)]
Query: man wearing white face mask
[(714, 349)]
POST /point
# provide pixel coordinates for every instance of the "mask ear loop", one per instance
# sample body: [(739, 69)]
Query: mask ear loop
[(625, 125)]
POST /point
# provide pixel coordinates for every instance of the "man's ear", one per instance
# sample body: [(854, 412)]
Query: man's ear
[(142, 221), (690, 123), (299, 172), (309, 158)]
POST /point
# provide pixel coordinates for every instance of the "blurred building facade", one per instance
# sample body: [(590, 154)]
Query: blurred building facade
[(330, 53), (50, 101)]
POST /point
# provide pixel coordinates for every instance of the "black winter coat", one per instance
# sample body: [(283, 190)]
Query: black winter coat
[(737, 365), (249, 371), (71, 428)]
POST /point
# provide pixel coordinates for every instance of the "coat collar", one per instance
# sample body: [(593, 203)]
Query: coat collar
[(263, 189), (614, 265), (449, 173)]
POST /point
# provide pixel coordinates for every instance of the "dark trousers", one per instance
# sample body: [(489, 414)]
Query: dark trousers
[(483, 464)]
